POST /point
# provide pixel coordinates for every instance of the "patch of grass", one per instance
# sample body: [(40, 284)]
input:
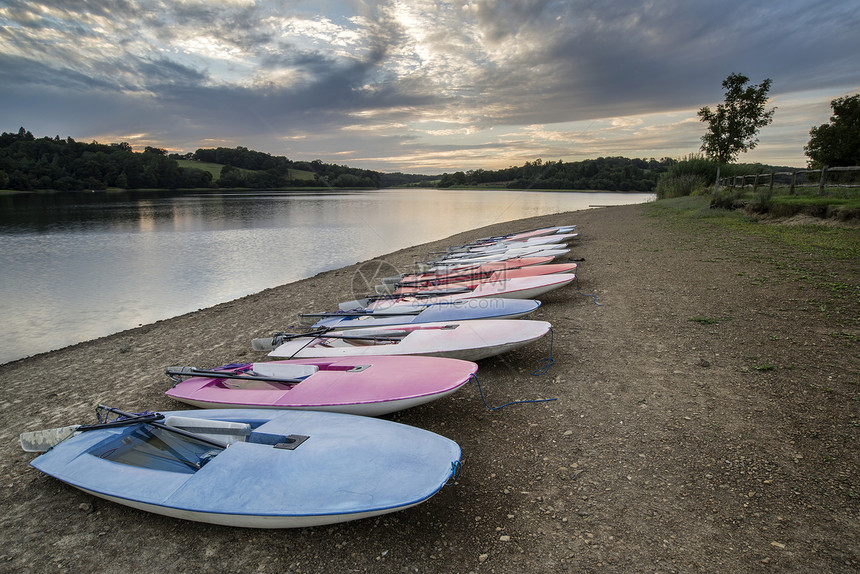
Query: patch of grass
[(215, 169), (846, 336), (831, 242), (803, 254)]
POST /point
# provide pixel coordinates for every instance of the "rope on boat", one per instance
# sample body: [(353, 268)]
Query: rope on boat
[(507, 404), (593, 297), (547, 360), (456, 466)]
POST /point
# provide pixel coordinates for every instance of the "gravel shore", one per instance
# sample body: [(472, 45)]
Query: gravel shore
[(705, 418)]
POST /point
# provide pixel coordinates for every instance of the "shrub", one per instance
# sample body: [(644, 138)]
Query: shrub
[(688, 176), (728, 198), (679, 186)]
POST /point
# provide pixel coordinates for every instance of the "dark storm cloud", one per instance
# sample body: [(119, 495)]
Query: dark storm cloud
[(389, 78)]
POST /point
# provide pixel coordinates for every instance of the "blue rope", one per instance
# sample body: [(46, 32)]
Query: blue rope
[(593, 297), (456, 466), (548, 360), (507, 404)]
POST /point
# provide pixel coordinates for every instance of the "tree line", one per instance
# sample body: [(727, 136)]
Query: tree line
[(603, 173), (28, 163)]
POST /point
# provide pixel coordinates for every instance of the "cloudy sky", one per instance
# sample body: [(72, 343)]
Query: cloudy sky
[(421, 86)]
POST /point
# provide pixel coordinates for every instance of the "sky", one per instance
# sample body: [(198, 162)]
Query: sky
[(421, 86)]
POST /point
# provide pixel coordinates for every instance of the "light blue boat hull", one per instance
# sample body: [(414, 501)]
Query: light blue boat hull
[(463, 310), (349, 467)]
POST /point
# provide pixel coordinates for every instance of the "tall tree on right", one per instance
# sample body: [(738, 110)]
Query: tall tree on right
[(837, 144), (734, 125)]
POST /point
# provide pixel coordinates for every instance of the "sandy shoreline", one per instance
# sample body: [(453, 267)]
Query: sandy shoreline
[(669, 448)]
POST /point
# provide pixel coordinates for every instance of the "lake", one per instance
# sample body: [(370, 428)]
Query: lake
[(77, 266)]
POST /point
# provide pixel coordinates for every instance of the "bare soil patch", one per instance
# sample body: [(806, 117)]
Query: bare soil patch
[(706, 419)]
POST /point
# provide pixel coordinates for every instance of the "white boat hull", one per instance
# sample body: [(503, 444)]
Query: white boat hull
[(467, 340)]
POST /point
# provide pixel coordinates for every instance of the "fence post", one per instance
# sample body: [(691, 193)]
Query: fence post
[(793, 178), (755, 183), (772, 175), (821, 181)]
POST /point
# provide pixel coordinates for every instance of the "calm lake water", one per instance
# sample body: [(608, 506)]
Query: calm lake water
[(77, 266)]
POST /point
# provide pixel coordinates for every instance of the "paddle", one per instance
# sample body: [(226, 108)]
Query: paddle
[(448, 278), (176, 373), (494, 251), (197, 437), (270, 343), (359, 313), (560, 230), (44, 440), (361, 303)]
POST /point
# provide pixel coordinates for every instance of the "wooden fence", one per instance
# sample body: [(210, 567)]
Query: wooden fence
[(790, 179)]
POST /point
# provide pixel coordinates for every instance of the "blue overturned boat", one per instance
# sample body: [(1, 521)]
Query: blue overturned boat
[(413, 313), (250, 468)]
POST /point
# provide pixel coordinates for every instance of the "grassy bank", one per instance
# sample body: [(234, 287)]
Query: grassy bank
[(819, 254), (840, 242)]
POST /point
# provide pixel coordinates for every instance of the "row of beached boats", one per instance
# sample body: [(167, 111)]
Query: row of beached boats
[(282, 443)]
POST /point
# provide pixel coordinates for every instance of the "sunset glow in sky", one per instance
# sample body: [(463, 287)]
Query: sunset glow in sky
[(421, 86)]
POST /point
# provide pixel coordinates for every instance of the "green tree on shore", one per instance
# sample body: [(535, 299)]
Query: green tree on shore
[(733, 126), (837, 144)]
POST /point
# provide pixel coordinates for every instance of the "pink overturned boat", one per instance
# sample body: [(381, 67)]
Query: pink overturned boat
[(466, 340), (477, 268), (369, 386), (471, 280)]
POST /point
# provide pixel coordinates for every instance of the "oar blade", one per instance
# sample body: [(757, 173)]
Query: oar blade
[(264, 344), (44, 440), (353, 305), (386, 288)]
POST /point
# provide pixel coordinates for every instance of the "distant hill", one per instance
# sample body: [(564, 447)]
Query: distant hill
[(398, 179), (215, 169), (241, 167)]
